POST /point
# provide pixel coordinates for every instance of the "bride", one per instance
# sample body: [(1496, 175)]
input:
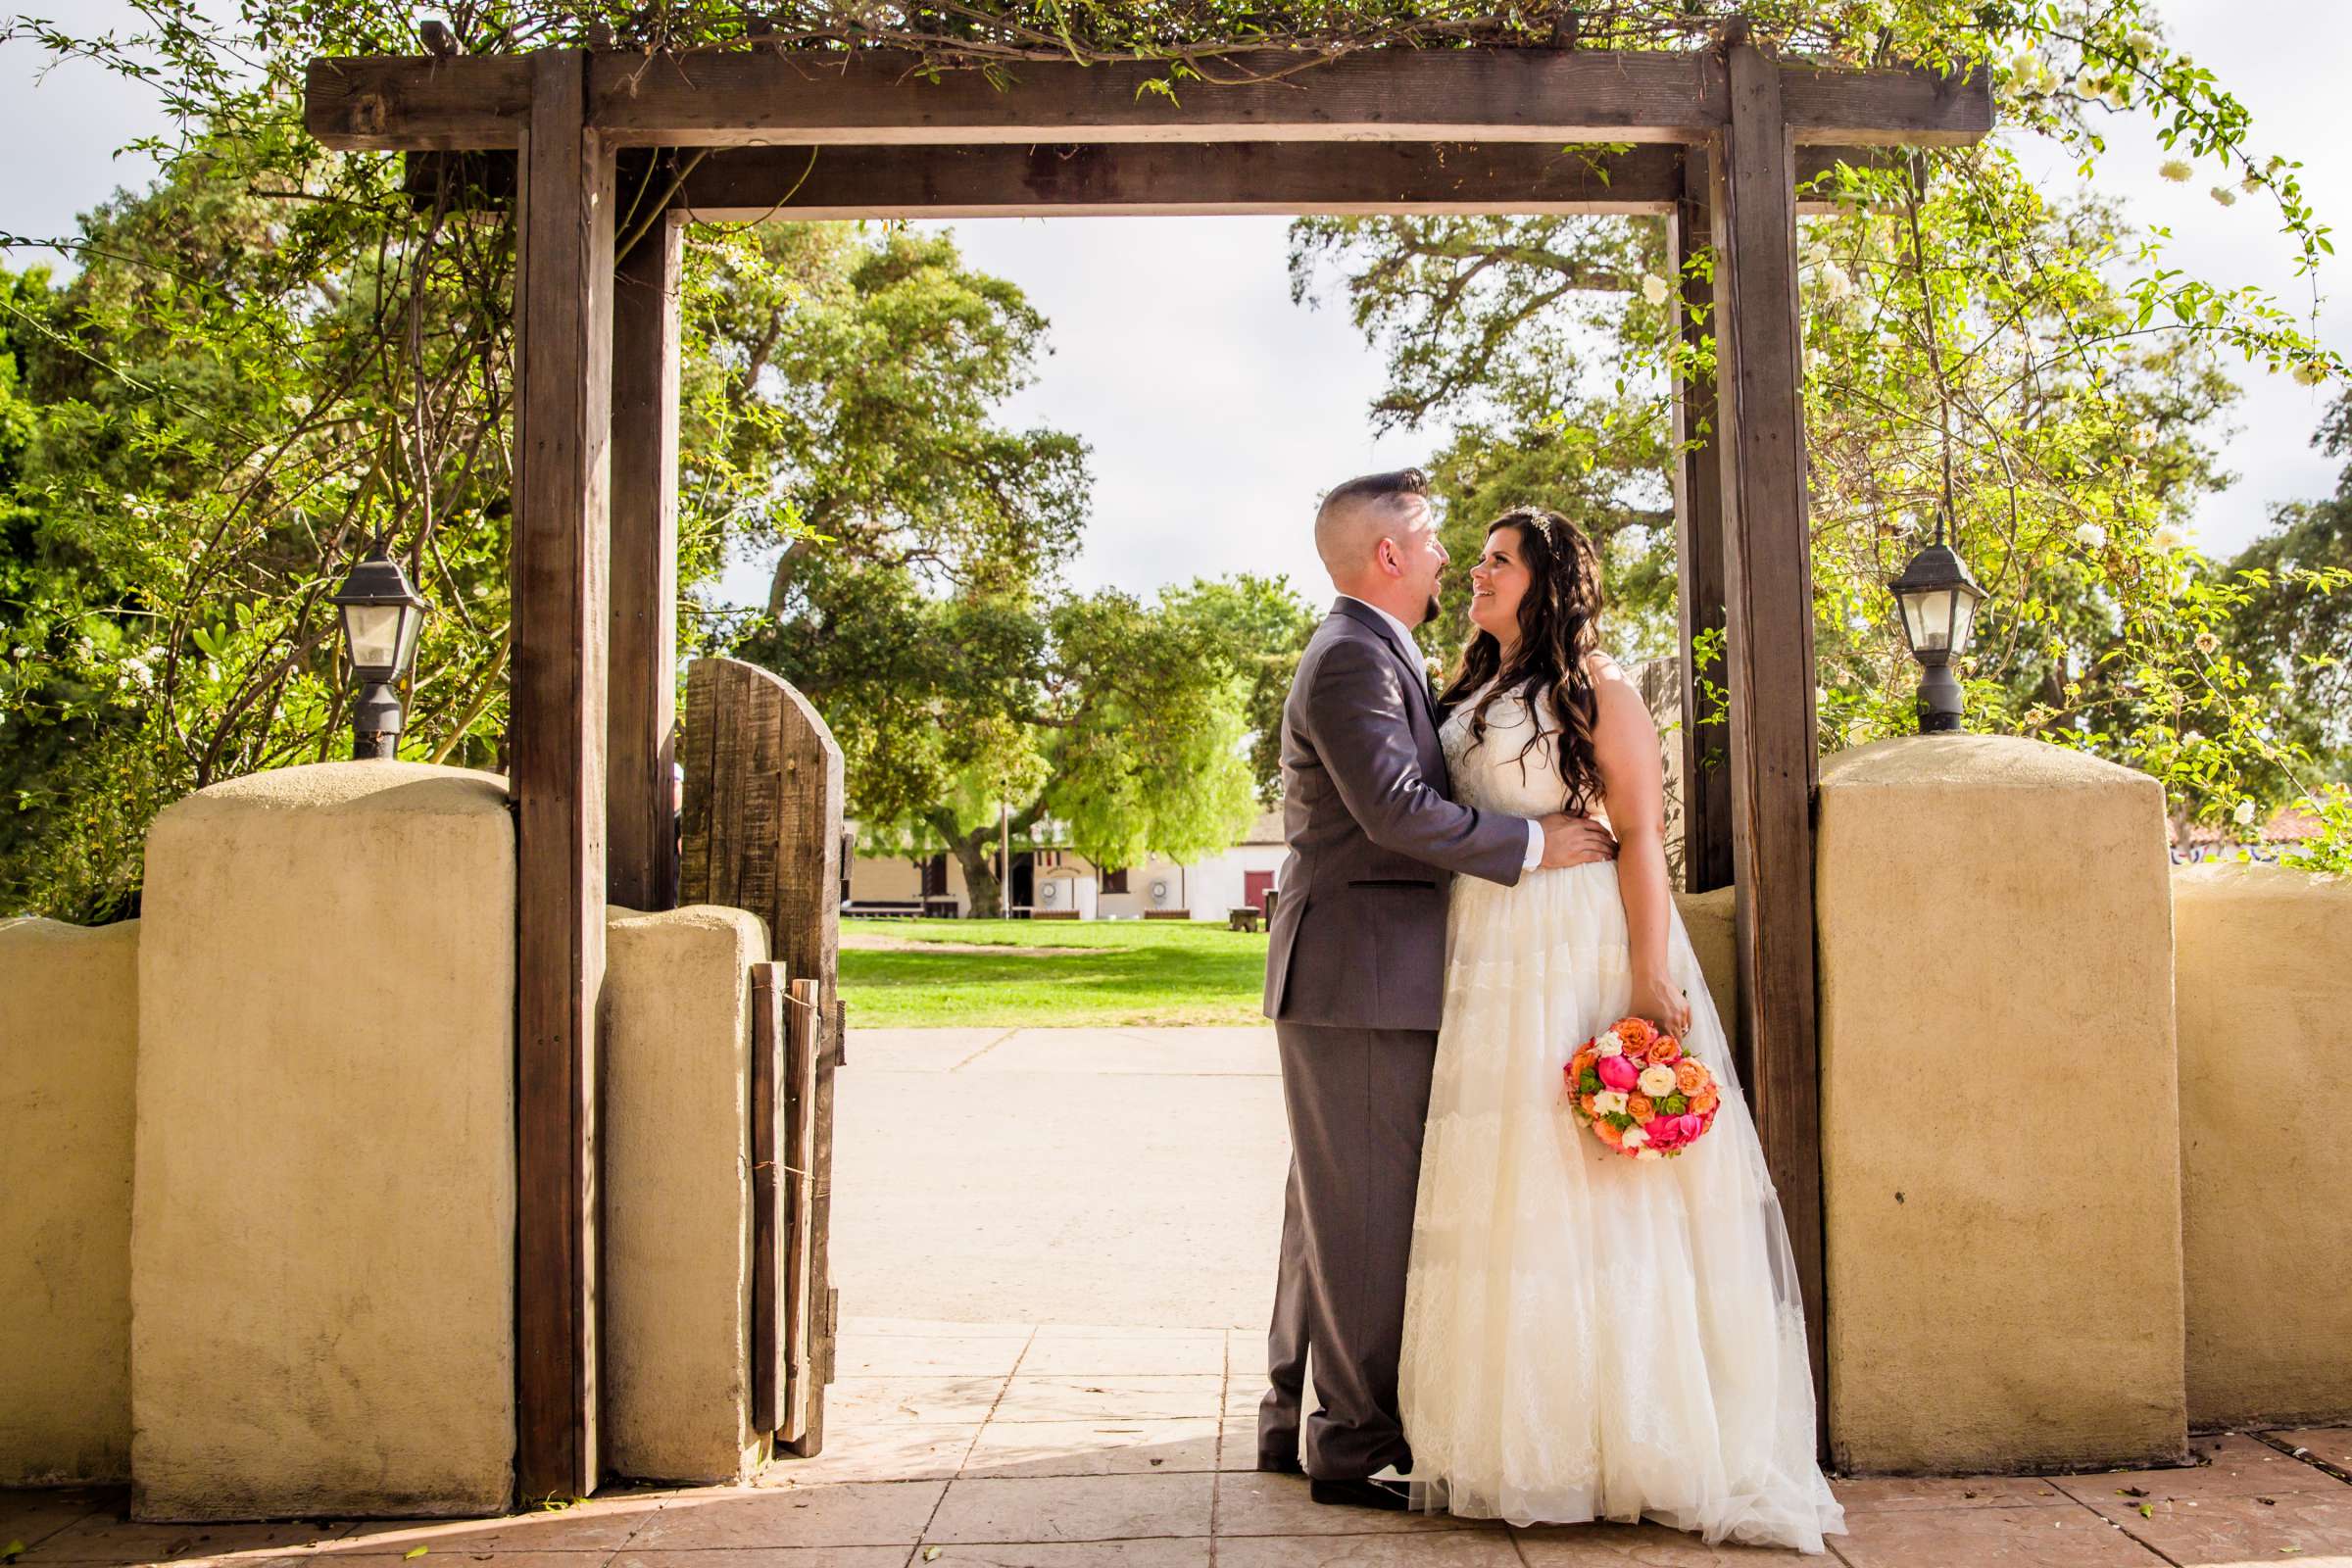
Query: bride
[(1588, 1336)]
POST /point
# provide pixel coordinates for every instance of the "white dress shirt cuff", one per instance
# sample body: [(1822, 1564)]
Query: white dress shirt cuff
[(1535, 846)]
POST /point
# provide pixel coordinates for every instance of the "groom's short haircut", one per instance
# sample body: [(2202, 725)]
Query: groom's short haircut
[(1358, 514)]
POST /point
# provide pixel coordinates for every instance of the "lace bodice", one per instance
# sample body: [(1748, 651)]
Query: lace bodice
[(1499, 771)]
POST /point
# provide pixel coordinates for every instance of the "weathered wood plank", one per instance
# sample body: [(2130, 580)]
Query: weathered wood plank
[(1886, 108), (383, 103), (824, 1301), (643, 728), (1439, 95), (745, 184), (764, 809), (557, 744), (771, 1202), (738, 184), (1769, 620), (393, 103), (803, 1298), (1698, 531)]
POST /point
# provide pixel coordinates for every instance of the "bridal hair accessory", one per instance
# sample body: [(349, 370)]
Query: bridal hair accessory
[(1641, 1096)]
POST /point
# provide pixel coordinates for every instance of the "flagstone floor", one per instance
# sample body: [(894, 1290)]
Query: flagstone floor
[(978, 1445), (969, 1186)]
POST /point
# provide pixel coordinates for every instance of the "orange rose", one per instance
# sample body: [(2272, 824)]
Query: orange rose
[(1689, 1077), (1665, 1050), (1609, 1135), (1703, 1102), (1583, 1064), (1636, 1033), (1588, 1102), (1639, 1107)]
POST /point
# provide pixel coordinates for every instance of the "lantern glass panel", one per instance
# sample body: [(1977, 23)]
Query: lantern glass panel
[(377, 634), (1964, 615), (412, 624), (1928, 620)]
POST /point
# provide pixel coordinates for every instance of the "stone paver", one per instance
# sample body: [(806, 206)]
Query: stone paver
[(1013, 1483), (1035, 1372)]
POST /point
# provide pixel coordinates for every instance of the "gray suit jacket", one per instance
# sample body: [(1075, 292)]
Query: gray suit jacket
[(1359, 930)]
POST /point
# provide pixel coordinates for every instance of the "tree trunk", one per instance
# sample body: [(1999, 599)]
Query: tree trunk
[(975, 852)]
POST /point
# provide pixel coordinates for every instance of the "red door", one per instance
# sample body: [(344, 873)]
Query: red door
[(1255, 885)]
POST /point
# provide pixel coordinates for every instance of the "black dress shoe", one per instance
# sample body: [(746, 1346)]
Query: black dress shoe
[(1383, 1494)]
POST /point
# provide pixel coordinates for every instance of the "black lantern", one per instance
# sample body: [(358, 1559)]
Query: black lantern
[(381, 617), (1939, 600)]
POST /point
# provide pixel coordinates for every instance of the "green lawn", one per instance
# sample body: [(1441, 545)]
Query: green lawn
[(1073, 972)]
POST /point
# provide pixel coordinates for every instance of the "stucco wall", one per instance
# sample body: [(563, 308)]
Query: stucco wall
[(677, 1234), (2264, 981), (68, 1038), (322, 1282), (2000, 1142), (1707, 917)]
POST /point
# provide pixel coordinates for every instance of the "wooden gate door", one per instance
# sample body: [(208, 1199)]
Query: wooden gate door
[(763, 832)]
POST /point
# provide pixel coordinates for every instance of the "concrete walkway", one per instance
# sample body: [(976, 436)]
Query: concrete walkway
[(1087, 1176), (1054, 1251)]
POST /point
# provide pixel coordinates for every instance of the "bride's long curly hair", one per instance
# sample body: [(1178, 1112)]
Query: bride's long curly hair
[(1559, 630)]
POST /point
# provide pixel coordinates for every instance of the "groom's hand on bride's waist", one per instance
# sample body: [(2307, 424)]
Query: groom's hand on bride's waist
[(1574, 841)]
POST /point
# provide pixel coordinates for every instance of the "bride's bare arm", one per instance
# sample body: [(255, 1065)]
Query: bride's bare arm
[(1625, 745)]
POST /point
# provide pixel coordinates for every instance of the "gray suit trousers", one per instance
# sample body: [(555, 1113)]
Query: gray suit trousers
[(1356, 1099)]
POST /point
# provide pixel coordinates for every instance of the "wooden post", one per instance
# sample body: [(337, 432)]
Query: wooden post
[(806, 1082), (643, 869), (771, 1173), (556, 742), (1698, 536), (764, 809), (1769, 621)]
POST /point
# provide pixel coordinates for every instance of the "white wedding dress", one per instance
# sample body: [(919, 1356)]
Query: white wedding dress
[(1587, 1336)]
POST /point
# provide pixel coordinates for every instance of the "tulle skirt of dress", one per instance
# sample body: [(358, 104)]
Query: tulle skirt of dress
[(1586, 1335)]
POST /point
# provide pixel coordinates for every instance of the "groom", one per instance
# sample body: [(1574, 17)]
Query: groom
[(1355, 975)]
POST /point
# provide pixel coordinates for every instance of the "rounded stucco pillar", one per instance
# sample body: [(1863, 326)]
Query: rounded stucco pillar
[(69, 1040), (677, 1244), (323, 1240), (2264, 988), (2000, 1150)]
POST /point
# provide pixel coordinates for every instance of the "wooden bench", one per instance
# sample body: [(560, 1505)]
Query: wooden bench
[(1245, 918), (1167, 915), (883, 910)]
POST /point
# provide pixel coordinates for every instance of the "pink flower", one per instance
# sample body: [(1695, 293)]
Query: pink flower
[(1673, 1131), (1618, 1074)]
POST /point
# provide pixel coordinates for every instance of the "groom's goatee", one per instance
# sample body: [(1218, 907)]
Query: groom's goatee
[(1428, 612)]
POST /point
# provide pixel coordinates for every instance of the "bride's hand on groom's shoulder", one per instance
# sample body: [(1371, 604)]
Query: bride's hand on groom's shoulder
[(1574, 841)]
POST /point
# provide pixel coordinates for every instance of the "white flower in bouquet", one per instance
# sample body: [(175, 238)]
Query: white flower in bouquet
[(1656, 1081), (1634, 1138), (1609, 1044), (1647, 1153), (1609, 1102)]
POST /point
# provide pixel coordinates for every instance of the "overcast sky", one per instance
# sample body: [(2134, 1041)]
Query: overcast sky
[(1217, 410)]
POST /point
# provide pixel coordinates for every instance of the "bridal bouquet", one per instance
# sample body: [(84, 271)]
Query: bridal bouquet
[(1641, 1096)]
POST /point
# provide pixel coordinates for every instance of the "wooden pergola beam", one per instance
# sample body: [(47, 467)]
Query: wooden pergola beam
[(401, 103), (749, 184)]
